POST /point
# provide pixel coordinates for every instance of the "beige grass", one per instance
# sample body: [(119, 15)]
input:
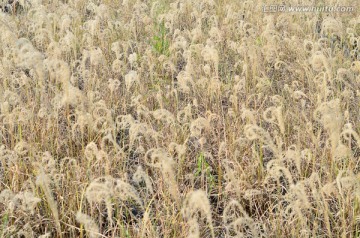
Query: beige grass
[(209, 118)]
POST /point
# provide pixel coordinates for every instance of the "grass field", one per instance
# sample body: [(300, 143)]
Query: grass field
[(179, 118)]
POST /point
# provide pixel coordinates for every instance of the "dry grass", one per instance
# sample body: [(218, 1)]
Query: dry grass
[(209, 118)]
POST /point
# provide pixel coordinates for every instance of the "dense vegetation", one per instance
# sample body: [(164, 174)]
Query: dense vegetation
[(209, 118)]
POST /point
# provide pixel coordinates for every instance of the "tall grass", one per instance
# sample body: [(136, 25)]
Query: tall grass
[(178, 118)]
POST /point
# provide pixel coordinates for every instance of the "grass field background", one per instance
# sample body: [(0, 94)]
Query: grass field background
[(209, 118)]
